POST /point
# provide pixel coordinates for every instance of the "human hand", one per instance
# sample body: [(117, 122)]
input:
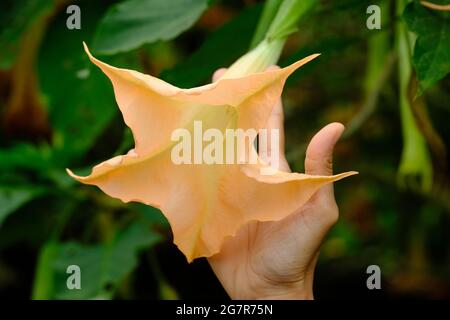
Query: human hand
[(276, 260)]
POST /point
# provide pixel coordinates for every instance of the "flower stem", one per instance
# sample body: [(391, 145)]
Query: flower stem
[(415, 165), (256, 60), (276, 27), (288, 15), (268, 14)]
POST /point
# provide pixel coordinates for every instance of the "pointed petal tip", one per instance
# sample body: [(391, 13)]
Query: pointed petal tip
[(88, 52), (71, 174), (188, 254), (300, 63), (343, 175), (93, 59), (310, 58), (86, 49), (74, 176)]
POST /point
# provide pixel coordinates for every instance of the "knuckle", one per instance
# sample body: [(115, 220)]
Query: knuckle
[(324, 164), (329, 164)]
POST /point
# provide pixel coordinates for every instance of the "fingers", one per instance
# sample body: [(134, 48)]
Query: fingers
[(269, 148), (218, 74), (319, 155)]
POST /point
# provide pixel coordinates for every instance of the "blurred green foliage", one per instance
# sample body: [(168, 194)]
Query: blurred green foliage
[(132, 23), (432, 52), (58, 111)]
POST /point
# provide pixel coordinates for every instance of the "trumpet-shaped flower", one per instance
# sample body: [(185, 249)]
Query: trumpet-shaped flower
[(204, 203)]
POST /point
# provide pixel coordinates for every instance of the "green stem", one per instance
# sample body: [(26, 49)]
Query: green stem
[(415, 161), (288, 15), (269, 11), (268, 51), (257, 60)]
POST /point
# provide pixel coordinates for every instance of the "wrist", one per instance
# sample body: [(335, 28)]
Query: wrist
[(287, 295), (300, 290), (271, 289)]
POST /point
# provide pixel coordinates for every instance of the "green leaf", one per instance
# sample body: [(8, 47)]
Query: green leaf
[(13, 197), (431, 58), (26, 156), (132, 23), (79, 97), (220, 49), (103, 267)]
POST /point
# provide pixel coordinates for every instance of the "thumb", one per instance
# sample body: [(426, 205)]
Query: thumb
[(319, 155)]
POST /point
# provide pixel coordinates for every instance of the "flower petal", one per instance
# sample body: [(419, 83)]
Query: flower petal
[(203, 203)]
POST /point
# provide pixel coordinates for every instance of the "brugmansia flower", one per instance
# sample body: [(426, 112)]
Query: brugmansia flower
[(204, 203)]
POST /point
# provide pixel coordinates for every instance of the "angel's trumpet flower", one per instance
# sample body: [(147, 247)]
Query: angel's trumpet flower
[(204, 202)]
